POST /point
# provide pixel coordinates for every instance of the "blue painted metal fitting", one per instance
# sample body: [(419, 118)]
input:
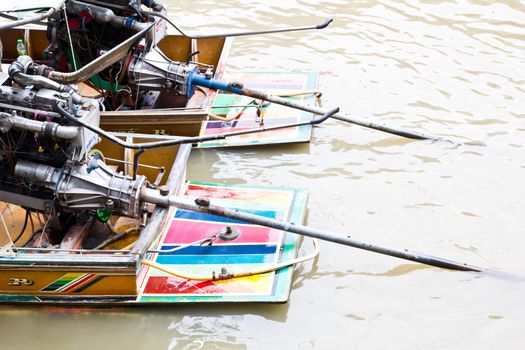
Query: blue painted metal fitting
[(129, 22), (92, 164), (197, 79), (190, 87)]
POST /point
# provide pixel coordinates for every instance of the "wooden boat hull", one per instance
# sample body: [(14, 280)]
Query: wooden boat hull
[(72, 284), (75, 277), (122, 278)]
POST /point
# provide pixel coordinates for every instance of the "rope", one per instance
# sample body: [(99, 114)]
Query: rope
[(317, 94), (118, 236), (225, 276), (70, 40), (7, 231)]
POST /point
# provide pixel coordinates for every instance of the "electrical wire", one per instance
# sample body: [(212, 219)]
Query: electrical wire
[(224, 275), (24, 226)]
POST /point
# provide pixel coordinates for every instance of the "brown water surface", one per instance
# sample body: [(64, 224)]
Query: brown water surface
[(450, 68)]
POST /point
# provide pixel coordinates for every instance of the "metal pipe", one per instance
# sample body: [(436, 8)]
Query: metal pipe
[(105, 15), (50, 129), (43, 82), (203, 205), (33, 19), (18, 69), (38, 81)]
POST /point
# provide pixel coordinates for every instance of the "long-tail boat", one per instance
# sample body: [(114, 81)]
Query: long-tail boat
[(98, 114)]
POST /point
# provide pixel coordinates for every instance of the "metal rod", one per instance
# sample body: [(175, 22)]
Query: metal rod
[(239, 89), (323, 25), (188, 140), (33, 19), (82, 251), (30, 110), (124, 162), (203, 205)]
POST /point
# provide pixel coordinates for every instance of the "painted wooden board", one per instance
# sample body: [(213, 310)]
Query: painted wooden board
[(255, 248), (273, 114)]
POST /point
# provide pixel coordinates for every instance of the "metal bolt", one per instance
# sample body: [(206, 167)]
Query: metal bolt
[(202, 202), (229, 233), (48, 208), (164, 190)]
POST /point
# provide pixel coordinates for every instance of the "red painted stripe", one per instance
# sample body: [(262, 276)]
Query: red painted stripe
[(213, 131), (77, 284), (280, 133), (248, 194), (176, 285), (181, 232)]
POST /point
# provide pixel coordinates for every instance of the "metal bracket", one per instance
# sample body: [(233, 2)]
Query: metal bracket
[(7, 250), (25, 201)]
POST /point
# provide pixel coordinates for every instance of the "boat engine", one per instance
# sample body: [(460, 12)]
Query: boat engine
[(94, 28), (89, 29), (48, 162)]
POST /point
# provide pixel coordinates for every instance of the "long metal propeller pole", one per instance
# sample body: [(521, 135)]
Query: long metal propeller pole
[(252, 32), (203, 205), (186, 140), (239, 89)]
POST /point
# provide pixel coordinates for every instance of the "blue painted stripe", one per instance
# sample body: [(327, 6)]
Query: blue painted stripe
[(215, 259), (190, 215), (223, 249)]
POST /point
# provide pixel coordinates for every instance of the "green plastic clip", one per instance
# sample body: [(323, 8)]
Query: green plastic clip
[(103, 214)]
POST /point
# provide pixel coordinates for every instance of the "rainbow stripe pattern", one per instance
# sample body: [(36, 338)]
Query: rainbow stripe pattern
[(255, 248), (273, 114), (72, 282)]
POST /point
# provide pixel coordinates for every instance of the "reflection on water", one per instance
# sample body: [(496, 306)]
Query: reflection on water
[(455, 69)]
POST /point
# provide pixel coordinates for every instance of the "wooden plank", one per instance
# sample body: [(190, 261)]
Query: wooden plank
[(40, 240), (76, 234)]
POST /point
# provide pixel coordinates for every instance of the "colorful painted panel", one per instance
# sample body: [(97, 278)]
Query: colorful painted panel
[(252, 117), (256, 247)]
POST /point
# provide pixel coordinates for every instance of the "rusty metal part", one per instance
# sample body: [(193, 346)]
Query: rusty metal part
[(77, 233)]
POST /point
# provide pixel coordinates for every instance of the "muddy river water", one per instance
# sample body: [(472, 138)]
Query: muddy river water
[(455, 69)]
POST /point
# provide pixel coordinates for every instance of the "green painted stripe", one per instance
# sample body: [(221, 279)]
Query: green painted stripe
[(61, 282), (73, 281)]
